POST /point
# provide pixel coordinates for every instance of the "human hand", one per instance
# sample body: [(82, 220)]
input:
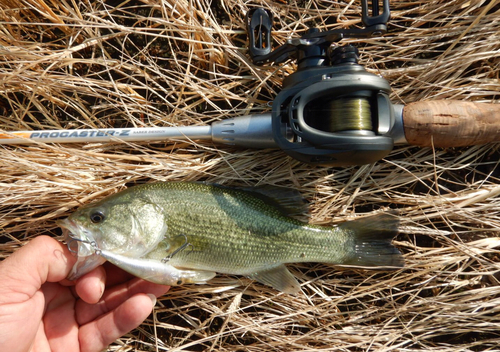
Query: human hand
[(41, 311)]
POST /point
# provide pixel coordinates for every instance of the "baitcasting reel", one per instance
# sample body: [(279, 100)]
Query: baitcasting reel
[(331, 110)]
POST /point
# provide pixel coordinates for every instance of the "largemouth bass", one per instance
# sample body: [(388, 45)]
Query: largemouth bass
[(179, 232)]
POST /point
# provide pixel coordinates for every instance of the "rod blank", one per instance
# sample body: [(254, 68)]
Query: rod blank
[(246, 131)]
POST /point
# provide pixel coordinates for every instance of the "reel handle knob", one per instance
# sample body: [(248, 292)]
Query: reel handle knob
[(259, 24), (376, 18)]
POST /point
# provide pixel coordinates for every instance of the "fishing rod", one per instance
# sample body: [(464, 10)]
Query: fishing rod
[(330, 112)]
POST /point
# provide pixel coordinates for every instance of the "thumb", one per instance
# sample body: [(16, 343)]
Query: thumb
[(23, 273)]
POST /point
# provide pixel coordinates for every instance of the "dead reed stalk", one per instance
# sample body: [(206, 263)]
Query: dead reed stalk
[(163, 63)]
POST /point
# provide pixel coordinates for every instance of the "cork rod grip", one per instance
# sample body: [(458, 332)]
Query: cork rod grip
[(451, 123)]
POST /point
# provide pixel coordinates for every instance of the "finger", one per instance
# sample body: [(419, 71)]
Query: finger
[(90, 286), (115, 275), (115, 296), (98, 334), (42, 260), (59, 326)]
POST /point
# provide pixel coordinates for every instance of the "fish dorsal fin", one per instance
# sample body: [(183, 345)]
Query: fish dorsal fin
[(289, 201), (278, 277)]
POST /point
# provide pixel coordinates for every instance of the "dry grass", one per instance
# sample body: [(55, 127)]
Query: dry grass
[(72, 64)]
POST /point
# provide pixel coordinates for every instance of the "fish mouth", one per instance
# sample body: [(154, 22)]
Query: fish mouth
[(76, 235), (82, 244)]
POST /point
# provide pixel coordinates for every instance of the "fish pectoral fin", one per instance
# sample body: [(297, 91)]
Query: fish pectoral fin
[(278, 277)]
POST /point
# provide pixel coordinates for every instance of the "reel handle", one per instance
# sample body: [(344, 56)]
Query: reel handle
[(259, 23), (451, 123)]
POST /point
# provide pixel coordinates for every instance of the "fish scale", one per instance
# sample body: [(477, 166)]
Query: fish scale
[(210, 228)]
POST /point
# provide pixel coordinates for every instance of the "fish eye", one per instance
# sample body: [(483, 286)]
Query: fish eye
[(97, 217)]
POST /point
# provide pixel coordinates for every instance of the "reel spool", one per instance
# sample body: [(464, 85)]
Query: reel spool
[(344, 114)]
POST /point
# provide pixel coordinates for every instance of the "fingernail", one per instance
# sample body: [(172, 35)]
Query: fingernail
[(103, 287), (152, 297)]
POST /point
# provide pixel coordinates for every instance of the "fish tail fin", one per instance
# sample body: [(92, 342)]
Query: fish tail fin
[(372, 241)]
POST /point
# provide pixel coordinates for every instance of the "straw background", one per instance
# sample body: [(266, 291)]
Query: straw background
[(81, 64)]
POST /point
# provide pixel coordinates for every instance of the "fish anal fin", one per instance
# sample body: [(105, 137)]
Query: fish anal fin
[(278, 277)]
